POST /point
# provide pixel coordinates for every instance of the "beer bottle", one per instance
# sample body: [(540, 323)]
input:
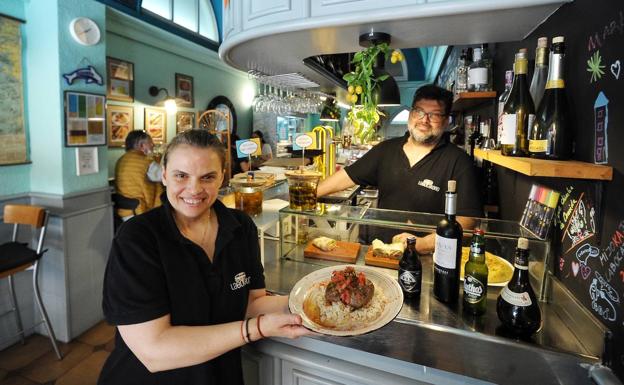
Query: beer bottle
[(517, 306), (410, 270), (476, 276)]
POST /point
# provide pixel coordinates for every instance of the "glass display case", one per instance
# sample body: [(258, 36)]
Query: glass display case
[(360, 225), (566, 325)]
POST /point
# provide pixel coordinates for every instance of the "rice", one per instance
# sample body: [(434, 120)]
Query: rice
[(337, 315)]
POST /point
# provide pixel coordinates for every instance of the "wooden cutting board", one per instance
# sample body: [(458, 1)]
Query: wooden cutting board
[(371, 260), (344, 252)]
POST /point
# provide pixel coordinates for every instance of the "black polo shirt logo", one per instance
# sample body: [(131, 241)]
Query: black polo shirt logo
[(240, 280), (428, 183)]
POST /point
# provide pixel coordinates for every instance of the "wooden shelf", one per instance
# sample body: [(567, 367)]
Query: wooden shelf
[(466, 100), (551, 168)]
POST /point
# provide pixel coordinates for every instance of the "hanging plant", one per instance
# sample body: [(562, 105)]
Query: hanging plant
[(361, 86)]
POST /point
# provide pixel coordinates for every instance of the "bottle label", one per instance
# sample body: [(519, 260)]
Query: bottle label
[(499, 126), (518, 299), (445, 252), (508, 134), (476, 248), (557, 83), (538, 146), (477, 76), (474, 290), (410, 280)]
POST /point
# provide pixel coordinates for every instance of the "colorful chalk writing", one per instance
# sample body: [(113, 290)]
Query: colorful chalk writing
[(612, 255), (595, 67), (601, 123), (597, 39), (581, 225), (603, 297), (585, 252), (615, 69)]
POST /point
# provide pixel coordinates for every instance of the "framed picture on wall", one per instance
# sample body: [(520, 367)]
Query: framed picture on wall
[(119, 80), (120, 121), (85, 119), (155, 124), (185, 120), (184, 90)]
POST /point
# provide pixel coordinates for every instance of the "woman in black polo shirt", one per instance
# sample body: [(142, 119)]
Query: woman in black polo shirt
[(184, 283)]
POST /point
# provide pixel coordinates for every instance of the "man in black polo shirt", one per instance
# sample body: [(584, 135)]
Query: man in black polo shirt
[(411, 172)]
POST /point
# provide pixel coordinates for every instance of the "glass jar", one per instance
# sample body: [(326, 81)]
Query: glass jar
[(302, 186), (248, 195)]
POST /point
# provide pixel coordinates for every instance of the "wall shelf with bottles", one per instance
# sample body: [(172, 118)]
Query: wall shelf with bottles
[(549, 168), (466, 100)]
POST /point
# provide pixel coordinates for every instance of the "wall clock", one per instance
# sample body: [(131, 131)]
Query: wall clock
[(85, 31)]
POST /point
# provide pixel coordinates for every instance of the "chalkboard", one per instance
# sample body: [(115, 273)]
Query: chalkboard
[(589, 262)]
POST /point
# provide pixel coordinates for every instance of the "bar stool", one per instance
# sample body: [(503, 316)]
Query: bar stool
[(16, 257)]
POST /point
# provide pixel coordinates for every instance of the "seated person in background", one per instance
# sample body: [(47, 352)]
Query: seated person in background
[(137, 175), (267, 153), (184, 284), (238, 164), (411, 172)]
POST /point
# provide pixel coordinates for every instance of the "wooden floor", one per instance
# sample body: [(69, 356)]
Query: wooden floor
[(35, 361)]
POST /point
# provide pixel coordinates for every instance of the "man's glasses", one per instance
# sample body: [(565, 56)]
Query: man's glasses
[(434, 117)]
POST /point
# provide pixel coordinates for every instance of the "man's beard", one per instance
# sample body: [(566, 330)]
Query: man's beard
[(426, 138)]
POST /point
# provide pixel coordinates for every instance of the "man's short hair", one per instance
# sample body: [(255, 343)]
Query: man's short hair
[(433, 92), (134, 139)]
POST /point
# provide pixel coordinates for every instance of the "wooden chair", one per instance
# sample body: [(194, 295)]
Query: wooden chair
[(124, 203), (16, 256)]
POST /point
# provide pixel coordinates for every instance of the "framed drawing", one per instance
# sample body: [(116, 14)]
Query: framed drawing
[(155, 124), (184, 90), (85, 119), (120, 121), (120, 80), (185, 120)]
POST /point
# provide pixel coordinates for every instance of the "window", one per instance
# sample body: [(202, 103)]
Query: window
[(195, 15)]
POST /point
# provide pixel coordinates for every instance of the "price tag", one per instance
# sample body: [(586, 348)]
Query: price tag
[(303, 141), (248, 147)]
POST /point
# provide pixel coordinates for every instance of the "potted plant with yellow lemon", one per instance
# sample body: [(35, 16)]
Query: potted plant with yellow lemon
[(362, 83)]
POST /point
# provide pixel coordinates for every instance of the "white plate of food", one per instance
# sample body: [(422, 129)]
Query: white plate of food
[(338, 300)]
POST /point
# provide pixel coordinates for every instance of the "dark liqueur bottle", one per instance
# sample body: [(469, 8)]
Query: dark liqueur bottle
[(410, 270), (551, 134), (447, 254), (517, 306)]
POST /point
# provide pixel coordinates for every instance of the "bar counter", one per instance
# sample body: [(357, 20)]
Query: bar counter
[(439, 336)]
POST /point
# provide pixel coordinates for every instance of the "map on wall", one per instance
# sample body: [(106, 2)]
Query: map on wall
[(12, 134)]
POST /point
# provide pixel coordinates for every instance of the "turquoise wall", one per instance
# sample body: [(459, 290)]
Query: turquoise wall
[(156, 64), (49, 51), (16, 179)]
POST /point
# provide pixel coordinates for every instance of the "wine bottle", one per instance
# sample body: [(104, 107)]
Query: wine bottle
[(410, 270), (519, 112), (540, 73), (509, 76), (517, 306), (461, 76), (447, 254), (476, 276), (551, 134), (478, 73)]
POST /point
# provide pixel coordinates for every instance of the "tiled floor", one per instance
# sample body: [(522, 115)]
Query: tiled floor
[(35, 362)]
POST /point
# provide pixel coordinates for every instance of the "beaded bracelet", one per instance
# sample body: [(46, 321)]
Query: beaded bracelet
[(258, 326), (247, 330)]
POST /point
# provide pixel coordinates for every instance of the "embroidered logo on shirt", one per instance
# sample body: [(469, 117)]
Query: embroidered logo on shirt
[(240, 280), (428, 183)]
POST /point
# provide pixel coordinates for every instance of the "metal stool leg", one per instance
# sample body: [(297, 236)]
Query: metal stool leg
[(46, 321), (15, 308)]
